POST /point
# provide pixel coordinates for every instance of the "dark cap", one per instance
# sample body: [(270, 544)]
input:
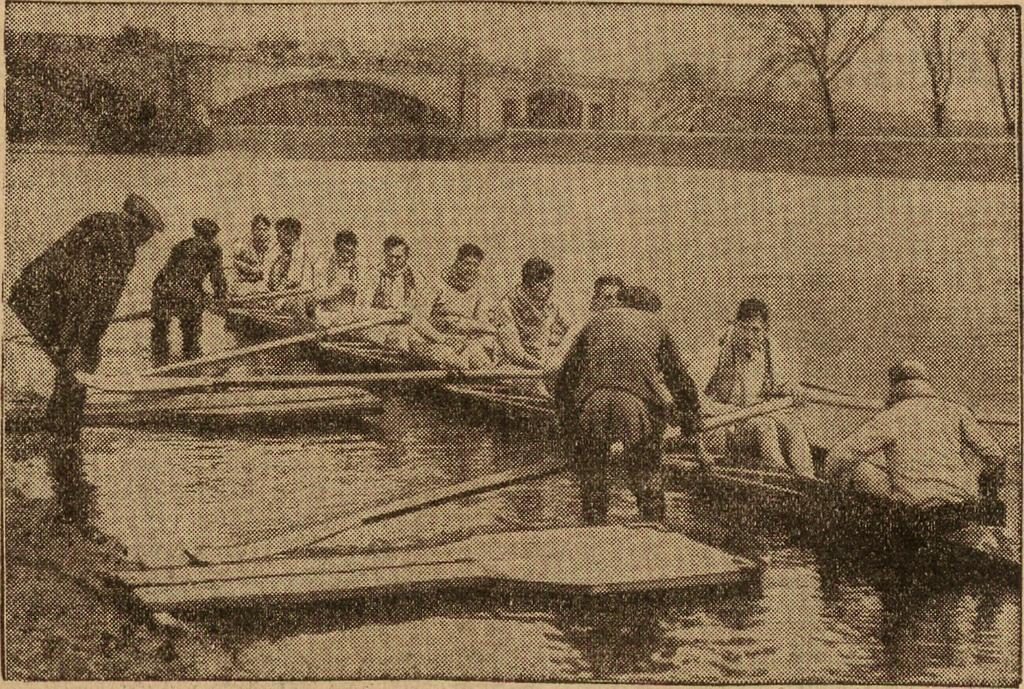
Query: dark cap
[(640, 298), (907, 370), (139, 207), (204, 227)]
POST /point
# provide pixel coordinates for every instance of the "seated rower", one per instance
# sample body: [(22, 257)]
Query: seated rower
[(335, 279), (912, 452), (249, 257), (529, 322), (287, 268), (178, 290), (747, 371), (393, 287), (460, 310)]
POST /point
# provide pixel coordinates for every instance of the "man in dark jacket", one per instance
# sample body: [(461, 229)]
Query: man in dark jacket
[(622, 381), (66, 298), (178, 290)]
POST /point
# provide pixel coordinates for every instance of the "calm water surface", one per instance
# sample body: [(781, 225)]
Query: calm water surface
[(858, 271)]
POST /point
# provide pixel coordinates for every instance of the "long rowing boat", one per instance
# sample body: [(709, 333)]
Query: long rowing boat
[(352, 354), (210, 408), (751, 500)]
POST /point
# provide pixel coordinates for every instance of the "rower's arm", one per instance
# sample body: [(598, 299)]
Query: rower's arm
[(682, 387)]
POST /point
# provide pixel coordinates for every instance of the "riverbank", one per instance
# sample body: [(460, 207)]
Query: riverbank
[(929, 158), (64, 622)]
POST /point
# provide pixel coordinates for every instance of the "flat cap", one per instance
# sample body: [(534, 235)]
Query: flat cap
[(141, 208), (907, 370), (205, 227)]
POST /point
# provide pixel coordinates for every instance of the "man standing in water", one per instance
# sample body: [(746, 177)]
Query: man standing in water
[(178, 290), (622, 382), (66, 298)]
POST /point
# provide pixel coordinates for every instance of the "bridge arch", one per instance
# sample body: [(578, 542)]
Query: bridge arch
[(330, 102)]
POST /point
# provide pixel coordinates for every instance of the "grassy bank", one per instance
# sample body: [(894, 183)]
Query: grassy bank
[(64, 621)]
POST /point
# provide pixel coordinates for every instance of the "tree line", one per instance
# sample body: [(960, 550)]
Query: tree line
[(823, 40)]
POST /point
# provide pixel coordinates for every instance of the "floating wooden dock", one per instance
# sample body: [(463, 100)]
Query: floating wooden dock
[(570, 561), (213, 407)]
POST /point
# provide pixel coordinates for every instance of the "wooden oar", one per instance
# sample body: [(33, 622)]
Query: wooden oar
[(833, 398), (296, 540), (274, 344), (186, 384), (256, 297)]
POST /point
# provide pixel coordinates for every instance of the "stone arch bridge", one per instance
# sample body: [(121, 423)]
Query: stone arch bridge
[(467, 103)]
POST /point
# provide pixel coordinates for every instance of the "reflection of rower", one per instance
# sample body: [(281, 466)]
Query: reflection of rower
[(913, 451)]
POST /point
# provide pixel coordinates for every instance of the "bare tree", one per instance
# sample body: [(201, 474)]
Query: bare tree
[(822, 38), (997, 36), (936, 31)]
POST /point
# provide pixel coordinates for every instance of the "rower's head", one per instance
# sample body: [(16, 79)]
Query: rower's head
[(466, 270), (908, 379), (750, 329), (396, 254), (640, 298), (538, 279), (205, 229), (145, 219), (607, 289), (260, 227), (345, 244), (288, 232)]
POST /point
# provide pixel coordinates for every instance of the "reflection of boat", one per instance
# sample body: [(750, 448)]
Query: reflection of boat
[(210, 408), (356, 355), (750, 500)]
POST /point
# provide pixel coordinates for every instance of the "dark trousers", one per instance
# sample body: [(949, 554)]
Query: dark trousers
[(611, 417), (74, 494), (190, 320)]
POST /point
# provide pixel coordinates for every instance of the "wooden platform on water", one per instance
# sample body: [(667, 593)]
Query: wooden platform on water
[(207, 408), (570, 561)]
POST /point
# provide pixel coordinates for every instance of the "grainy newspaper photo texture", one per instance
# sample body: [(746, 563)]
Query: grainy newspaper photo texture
[(512, 341)]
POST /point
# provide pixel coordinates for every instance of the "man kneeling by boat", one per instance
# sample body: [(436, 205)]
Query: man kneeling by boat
[(622, 381), (912, 452), (746, 371)]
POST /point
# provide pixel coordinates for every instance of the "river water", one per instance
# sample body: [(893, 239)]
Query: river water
[(858, 271)]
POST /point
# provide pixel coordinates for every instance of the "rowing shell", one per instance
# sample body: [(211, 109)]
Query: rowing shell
[(360, 355), (240, 406)]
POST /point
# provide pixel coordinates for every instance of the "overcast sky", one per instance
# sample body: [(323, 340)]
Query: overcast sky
[(619, 40)]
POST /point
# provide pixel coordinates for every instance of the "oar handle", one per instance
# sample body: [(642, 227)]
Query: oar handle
[(821, 395)]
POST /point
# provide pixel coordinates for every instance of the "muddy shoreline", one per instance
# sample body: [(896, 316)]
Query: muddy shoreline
[(64, 622)]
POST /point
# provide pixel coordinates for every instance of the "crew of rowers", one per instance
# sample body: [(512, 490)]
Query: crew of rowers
[(621, 378)]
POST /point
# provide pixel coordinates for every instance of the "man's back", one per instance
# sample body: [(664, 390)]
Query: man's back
[(190, 262), (923, 440), (621, 349)]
